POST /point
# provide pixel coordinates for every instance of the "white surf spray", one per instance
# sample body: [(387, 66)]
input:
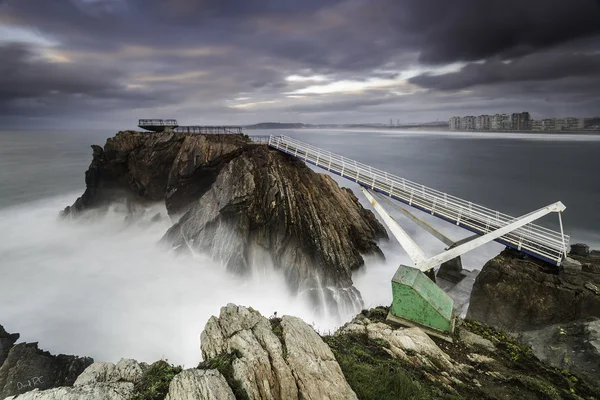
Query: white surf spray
[(104, 289)]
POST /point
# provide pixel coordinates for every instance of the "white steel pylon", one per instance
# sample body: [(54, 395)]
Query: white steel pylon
[(423, 263)]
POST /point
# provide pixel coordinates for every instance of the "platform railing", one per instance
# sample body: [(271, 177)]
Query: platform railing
[(536, 240), (210, 130), (157, 122)]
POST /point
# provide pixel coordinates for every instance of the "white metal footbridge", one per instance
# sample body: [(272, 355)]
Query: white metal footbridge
[(518, 233)]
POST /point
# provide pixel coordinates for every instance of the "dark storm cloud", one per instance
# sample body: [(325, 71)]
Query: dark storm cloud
[(348, 34), (30, 84), (465, 30), (203, 54), (23, 74), (536, 67)]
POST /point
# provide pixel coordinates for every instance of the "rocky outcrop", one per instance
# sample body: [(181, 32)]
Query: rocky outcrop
[(518, 293), (198, 384), (135, 167), (247, 356), (286, 360), (98, 381), (265, 202), (574, 346), (26, 368), (382, 360), (242, 203)]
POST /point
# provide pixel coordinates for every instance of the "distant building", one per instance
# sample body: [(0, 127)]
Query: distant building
[(537, 125), (485, 122), (549, 124), (571, 124), (467, 123), (500, 122), (520, 121), (454, 123), (590, 123)]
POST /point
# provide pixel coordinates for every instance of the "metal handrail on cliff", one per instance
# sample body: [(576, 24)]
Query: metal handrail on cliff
[(535, 240)]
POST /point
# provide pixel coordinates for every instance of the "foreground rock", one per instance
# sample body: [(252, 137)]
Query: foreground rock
[(278, 359), (518, 294), (104, 381), (248, 356), (195, 384), (574, 346), (26, 367), (386, 361), (242, 203)]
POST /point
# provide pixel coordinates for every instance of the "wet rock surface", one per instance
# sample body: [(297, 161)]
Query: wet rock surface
[(265, 202), (574, 346), (135, 168), (26, 368), (242, 203), (518, 294)]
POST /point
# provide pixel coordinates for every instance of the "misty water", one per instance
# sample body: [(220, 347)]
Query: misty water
[(104, 289)]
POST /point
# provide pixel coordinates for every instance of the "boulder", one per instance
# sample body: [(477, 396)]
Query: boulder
[(27, 368), (126, 370), (574, 346), (313, 365), (410, 344), (518, 294), (475, 341), (114, 391), (295, 363), (197, 384), (105, 381)]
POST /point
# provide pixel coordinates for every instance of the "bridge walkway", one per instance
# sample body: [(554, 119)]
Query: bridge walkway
[(535, 240)]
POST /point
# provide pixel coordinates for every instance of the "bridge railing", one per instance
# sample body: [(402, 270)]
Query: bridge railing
[(534, 239), (208, 130)]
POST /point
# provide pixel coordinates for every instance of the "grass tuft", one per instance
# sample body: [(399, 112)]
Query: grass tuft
[(154, 383), (372, 372)]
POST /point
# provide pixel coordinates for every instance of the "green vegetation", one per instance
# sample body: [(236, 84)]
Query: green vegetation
[(224, 364), (512, 348), (278, 331), (372, 372), (154, 384)]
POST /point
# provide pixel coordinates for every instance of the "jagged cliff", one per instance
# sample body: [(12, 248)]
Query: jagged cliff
[(242, 203), (518, 293), (247, 356), (556, 311)]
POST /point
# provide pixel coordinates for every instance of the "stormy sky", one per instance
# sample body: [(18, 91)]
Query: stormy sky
[(66, 63)]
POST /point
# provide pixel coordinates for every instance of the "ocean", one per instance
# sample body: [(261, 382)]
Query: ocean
[(103, 289)]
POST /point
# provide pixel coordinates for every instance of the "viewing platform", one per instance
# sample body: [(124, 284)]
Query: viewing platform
[(161, 125), (157, 125)]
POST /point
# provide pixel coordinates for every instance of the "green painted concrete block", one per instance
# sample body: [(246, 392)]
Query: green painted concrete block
[(419, 300)]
